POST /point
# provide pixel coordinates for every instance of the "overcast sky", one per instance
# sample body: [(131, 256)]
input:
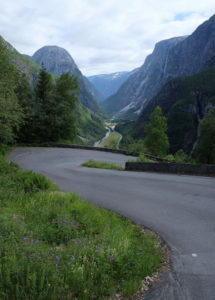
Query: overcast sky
[(103, 36)]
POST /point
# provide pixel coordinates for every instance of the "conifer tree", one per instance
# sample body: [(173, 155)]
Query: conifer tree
[(156, 140), (43, 106), (65, 99), (54, 107)]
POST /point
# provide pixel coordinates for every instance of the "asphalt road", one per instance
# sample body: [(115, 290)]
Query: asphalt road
[(180, 208)]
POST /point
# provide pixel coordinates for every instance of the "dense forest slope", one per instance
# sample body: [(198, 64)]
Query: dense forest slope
[(184, 101)]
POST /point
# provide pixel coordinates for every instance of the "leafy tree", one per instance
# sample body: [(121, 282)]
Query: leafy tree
[(156, 140), (10, 111), (206, 141)]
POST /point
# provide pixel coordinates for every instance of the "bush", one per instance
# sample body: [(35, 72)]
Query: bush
[(181, 157), (31, 182), (170, 158), (144, 159)]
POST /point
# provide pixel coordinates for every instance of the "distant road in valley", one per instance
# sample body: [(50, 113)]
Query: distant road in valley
[(180, 208)]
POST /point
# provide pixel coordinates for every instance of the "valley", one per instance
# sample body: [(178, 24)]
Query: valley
[(163, 110)]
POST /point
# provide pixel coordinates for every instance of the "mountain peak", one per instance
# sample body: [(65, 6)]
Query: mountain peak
[(56, 60)]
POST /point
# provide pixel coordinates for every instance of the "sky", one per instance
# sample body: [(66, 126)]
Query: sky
[(102, 36)]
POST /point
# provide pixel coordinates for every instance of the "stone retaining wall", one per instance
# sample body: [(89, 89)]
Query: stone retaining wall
[(188, 169), (94, 148)]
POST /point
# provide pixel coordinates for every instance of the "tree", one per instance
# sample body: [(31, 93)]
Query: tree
[(44, 104), (156, 140), (24, 94), (65, 99), (54, 107), (11, 114), (206, 142)]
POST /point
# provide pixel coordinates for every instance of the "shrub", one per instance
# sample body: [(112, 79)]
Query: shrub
[(31, 182), (144, 159)]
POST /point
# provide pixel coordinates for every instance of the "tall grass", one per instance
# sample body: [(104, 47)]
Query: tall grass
[(55, 246), (102, 165)]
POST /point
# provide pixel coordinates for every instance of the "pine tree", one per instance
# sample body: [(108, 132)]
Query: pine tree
[(54, 107), (65, 100), (206, 141), (156, 140), (44, 104)]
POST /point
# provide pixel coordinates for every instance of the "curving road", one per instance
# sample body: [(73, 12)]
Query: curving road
[(180, 208)]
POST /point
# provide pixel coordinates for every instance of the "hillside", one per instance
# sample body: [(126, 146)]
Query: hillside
[(184, 101), (22, 63)]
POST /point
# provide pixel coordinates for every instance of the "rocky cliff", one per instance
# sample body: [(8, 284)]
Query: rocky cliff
[(172, 58), (142, 85)]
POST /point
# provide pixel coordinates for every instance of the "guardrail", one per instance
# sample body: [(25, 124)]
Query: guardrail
[(130, 153), (174, 168)]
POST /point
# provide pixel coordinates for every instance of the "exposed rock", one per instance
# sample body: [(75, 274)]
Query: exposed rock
[(177, 57)]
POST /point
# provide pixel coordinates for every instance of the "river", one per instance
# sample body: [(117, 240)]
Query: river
[(96, 144)]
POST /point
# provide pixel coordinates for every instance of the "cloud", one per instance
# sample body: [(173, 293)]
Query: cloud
[(102, 36)]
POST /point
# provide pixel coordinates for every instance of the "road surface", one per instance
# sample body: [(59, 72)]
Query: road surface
[(179, 208)]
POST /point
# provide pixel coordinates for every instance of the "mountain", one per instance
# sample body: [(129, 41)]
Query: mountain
[(176, 57), (93, 91), (184, 102), (141, 85), (89, 123), (108, 84), (58, 61)]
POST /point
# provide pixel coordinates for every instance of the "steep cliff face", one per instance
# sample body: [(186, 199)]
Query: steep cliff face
[(142, 85), (58, 61), (192, 54), (184, 101), (172, 58)]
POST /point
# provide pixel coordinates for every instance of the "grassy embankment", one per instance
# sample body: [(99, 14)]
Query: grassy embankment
[(112, 141), (102, 165), (55, 246)]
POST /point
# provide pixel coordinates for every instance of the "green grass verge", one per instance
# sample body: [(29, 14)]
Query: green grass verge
[(112, 141), (55, 246), (102, 165)]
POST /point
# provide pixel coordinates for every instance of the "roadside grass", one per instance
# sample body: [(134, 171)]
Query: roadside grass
[(142, 158), (102, 165), (55, 246), (112, 141)]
